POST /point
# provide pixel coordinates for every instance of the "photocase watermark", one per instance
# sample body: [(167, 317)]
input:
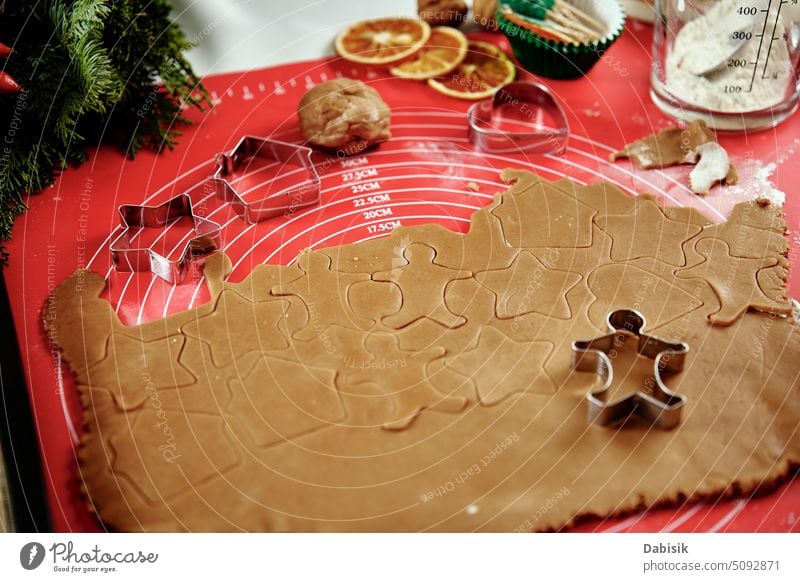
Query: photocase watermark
[(64, 557), (757, 349), (169, 448), (544, 509), (32, 555), (473, 470)]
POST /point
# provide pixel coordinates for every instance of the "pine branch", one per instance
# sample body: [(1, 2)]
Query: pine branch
[(92, 71)]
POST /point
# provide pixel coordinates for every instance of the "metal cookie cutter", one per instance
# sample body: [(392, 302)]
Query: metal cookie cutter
[(129, 257), (655, 402), (250, 150), (528, 97)]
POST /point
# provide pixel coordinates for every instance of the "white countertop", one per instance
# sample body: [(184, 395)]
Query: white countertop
[(238, 35)]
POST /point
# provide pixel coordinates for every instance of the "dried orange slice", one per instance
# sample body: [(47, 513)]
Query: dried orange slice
[(382, 41), (443, 52), (482, 72)]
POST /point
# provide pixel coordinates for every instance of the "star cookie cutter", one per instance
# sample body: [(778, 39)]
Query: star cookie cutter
[(253, 150), (528, 97), (128, 257), (656, 403)]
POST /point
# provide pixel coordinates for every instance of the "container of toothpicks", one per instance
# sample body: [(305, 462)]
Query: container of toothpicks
[(560, 39)]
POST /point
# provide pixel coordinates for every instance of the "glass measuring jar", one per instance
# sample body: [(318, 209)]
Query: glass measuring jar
[(732, 63)]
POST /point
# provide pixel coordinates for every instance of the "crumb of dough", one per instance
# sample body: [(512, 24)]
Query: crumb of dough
[(732, 177), (344, 114), (442, 12), (484, 11), (473, 186)]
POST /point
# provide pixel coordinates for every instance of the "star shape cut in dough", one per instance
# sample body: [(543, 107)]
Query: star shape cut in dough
[(238, 326), (527, 286), (647, 232), (500, 366)]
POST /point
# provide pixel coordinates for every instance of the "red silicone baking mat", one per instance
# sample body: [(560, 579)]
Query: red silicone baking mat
[(427, 172)]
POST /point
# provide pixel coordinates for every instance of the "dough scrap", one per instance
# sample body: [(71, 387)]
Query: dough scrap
[(668, 147)]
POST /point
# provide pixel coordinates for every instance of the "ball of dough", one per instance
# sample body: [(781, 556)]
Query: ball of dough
[(484, 13), (442, 12), (344, 114)]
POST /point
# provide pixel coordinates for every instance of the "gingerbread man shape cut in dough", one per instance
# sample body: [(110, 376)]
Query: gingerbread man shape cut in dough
[(422, 283)]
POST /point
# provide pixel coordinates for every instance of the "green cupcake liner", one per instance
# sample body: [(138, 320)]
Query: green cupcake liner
[(550, 58), (533, 8)]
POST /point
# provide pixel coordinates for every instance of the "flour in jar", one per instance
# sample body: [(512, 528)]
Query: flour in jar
[(727, 89)]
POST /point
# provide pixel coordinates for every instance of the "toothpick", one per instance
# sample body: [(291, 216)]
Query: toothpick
[(573, 24), (571, 9), (539, 27)]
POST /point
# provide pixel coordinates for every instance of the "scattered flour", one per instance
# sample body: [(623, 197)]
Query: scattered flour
[(754, 182), (704, 40)]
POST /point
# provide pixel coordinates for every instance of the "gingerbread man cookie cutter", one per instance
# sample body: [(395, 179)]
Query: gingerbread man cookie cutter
[(128, 256), (252, 151), (655, 402), (526, 98)]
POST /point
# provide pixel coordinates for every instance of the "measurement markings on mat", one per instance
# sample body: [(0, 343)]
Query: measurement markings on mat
[(365, 187), (370, 200), (383, 226), (358, 175), (354, 162), (377, 213)]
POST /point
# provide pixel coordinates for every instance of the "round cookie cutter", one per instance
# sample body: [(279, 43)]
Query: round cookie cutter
[(528, 97)]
